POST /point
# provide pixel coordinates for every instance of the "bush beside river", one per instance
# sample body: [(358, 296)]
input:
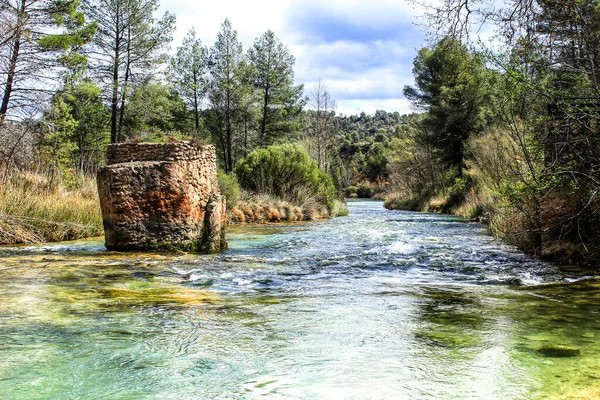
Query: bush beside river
[(280, 183)]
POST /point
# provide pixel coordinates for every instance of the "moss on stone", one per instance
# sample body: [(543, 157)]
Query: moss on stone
[(188, 247)]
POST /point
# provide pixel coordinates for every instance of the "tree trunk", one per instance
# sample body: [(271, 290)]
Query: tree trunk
[(196, 111), (319, 135), (12, 67), (263, 122), (125, 82), (223, 141), (229, 167), (122, 108), (228, 134), (114, 102)]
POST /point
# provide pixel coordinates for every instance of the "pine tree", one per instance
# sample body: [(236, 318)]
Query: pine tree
[(127, 49), (57, 144), (38, 39), (225, 93), (451, 87), (273, 77), (188, 72)]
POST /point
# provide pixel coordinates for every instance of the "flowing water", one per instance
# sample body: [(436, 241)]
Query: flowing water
[(377, 305)]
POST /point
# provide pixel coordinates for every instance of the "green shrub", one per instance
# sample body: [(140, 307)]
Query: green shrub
[(286, 171), (230, 188)]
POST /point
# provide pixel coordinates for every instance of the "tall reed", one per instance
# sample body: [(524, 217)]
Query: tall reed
[(33, 211)]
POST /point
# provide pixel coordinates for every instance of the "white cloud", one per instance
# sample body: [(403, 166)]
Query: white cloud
[(365, 13), (350, 107), (364, 68), (250, 19)]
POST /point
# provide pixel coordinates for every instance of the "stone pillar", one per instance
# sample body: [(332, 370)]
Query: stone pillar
[(162, 196)]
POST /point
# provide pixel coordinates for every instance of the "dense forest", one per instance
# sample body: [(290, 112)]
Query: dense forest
[(504, 134)]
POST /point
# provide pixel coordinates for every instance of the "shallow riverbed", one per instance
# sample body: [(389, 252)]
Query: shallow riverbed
[(377, 305)]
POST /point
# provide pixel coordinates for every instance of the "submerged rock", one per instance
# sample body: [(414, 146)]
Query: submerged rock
[(162, 196), (558, 351)]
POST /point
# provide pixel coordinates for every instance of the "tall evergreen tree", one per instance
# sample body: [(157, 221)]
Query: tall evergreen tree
[(273, 77), (127, 49), (91, 135), (38, 37), (57, 143), (188, 71), (451, 87), (225, 92), (250, 112)]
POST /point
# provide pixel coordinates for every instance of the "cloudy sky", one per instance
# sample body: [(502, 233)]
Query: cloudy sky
[(361, 49)]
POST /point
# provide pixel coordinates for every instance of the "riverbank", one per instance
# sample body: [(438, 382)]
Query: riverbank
[(258, 209), (537, 231), (33, 210)]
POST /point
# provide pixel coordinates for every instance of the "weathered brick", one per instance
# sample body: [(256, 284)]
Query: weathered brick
[(162, 197)]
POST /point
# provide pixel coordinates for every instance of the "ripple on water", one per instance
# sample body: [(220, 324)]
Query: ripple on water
[(379, 304)]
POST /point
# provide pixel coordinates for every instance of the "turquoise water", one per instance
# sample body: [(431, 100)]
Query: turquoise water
[(377, 305)]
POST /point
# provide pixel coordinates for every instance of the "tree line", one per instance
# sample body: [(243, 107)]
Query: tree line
[(79, 74)]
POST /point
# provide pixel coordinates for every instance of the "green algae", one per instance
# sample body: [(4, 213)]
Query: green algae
[(558, 351), (61, 290), (151, 294), (550, 330), (554, 336), (450, 318), (450, 338)]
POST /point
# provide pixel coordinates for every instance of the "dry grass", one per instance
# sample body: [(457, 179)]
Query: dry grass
[(263, 208), (437, 204), (400, 200), (33, 212)]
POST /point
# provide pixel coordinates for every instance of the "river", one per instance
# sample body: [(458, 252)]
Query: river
[(377, 305)]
